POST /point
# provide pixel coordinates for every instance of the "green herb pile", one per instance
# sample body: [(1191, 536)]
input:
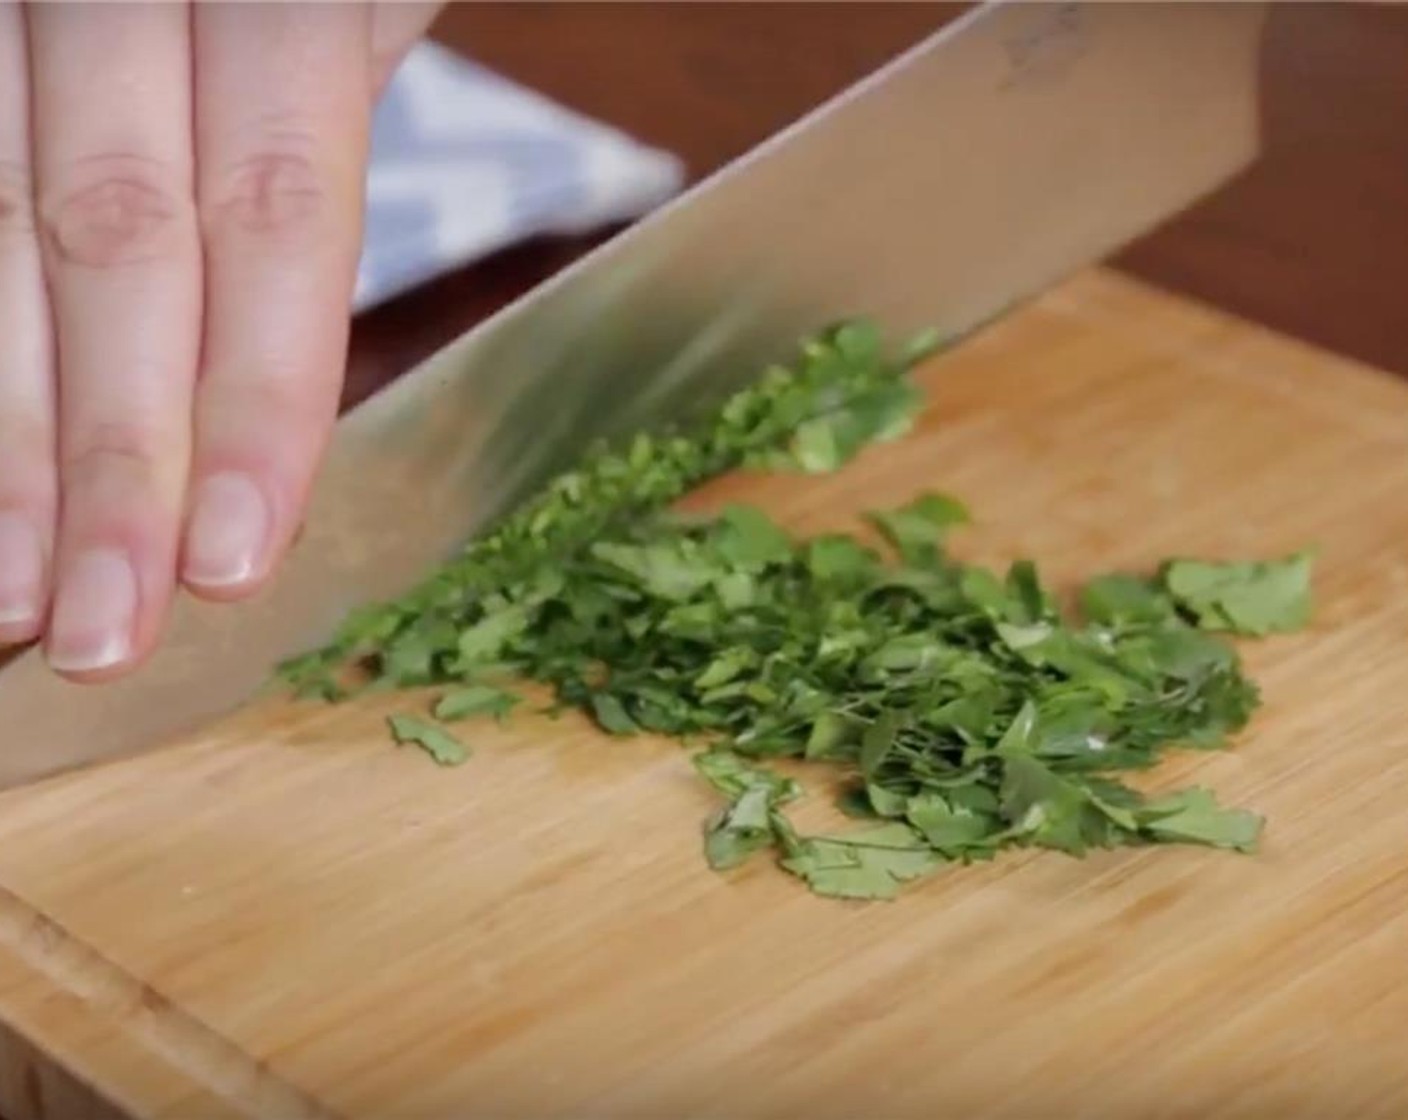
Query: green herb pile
[(962, 710)]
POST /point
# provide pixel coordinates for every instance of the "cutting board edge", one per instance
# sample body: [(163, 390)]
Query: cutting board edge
[(64, 1006), (33, 1085), (44, 1032)]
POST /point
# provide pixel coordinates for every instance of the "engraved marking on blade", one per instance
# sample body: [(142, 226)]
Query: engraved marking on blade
[(1043, 50)]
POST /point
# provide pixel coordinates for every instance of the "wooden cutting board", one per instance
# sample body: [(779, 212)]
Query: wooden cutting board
[(287, 917)]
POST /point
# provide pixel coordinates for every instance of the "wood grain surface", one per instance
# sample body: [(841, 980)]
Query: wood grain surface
[(1309, 242), (288, 917)]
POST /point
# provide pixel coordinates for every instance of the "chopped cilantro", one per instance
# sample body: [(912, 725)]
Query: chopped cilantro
[(1246, 598), (443, 747), (963, 710), (473, 700)]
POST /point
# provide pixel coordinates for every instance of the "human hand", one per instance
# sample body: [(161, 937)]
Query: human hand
[(180, 225)]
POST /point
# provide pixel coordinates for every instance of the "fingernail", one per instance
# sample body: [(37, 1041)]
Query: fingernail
[(95, 607), (228, 533), (21, 572)]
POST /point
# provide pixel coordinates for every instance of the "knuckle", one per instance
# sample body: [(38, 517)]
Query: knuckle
[(277, 400), (111, 451), (122, 475), (277, 191), (113, 212)]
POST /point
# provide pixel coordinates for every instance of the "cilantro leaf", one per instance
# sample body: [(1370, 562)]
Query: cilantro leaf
[(738, 831), (746, 825), (734, 776), (917, 530), (443, 747), (611, 714), (475, 699), (1194, 816), (864, 865), (1254, 598), (1120, 599), (952, 830), (747, 539), (831, 732), (484, 641), (667, 570), (877, 742)]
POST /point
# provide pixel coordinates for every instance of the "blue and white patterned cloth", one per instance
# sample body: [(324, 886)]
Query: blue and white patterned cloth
[(464, 163)]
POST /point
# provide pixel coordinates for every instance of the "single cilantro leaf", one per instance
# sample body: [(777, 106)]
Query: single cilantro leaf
[(884, 802), (839, 559), (746, 825), (475, 699), (877, 741), (726, 847), (1194, 816), (1021, 735), (747, 539), (667, 570), (1120, 600), (858, 341), (1030, 602), (752, 809), (725, 667), (736, 590), (740, 830), (485, 640), (916, 530), (1254, 598), (1077, 734), (815, 447), (883, 413), (864, 865), (830, 734), (858, 879), (1031, 641), (984, 591), (611, 714), (1048, 809), (734, 776), (443, 747), (953, 830), (1118, 803), (922, 346), (910, 652), (412, 654)]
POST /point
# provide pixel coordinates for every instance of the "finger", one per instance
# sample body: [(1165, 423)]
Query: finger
[(395, 29), (112, 128), (28, 487), (282, 105)]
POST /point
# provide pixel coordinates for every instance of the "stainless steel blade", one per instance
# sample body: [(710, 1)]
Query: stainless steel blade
[(1016, 145)]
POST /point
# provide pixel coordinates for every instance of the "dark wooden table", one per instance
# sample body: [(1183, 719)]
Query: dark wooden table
[(1312, 241)]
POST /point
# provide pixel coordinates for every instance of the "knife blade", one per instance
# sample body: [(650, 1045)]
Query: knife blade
[(1015, 145)]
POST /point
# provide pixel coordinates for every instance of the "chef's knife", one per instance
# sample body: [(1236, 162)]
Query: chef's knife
[(1017, 144)]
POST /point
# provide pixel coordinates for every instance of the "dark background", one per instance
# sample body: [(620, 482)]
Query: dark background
[(1312, 241)]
